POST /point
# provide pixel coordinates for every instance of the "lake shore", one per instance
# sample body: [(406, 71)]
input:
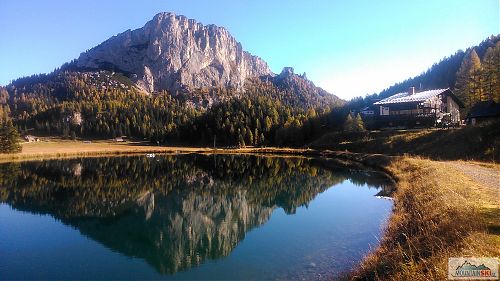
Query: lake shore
[(56, 148), (442, 209)]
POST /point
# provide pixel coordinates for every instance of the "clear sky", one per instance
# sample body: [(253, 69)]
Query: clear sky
[(349, 48)]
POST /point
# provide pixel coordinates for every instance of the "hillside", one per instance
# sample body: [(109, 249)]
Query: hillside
[(173, 80), (468, 143), (454, 72), (181, 56), (444, 73)]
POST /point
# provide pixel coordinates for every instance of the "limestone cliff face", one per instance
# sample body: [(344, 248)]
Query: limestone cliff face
[(178, 54)]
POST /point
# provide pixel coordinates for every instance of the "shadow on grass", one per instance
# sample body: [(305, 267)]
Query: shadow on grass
[(469, 143), (491, 216)]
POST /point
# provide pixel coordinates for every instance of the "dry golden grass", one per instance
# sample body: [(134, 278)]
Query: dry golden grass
[(480, 143), (438, 213), (57, 148), (63, 148)]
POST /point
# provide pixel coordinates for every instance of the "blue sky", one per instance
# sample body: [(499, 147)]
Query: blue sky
[(350, 48)]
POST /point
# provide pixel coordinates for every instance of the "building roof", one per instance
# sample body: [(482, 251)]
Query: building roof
[(485, 109), (367, 108), (416, 97)]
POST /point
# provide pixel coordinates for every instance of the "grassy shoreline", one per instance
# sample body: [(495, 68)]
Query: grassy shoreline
[(66, 149), (480, 143), (57, 149), (438, 213), (431, 219)]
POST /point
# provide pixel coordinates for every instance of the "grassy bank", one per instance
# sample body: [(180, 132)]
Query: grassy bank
[(469, 143), (438, 213), (57, 148)]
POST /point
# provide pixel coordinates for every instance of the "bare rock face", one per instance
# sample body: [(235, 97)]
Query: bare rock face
[(177, 54)]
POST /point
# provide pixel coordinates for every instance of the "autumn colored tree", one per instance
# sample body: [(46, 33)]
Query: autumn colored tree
[(469, 80), (491, 73), (354, 124)]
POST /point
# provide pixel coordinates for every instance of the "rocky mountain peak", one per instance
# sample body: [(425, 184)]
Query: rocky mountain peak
[(172, 52), (287, 71)]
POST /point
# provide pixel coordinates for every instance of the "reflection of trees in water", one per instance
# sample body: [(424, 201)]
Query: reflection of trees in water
[(8, 175), (172, 211), (358, 174)]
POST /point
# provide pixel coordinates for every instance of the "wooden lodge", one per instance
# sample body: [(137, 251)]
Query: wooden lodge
[(483, 111), (30, 138), (432, 108)]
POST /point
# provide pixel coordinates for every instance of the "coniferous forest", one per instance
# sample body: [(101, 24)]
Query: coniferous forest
[(287, 111), (473, 75), (104, 104)]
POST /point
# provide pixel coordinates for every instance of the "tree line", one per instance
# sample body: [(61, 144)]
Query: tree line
[(9, 136), (473, 75), (76, 104), (280, 111), (478, 78)]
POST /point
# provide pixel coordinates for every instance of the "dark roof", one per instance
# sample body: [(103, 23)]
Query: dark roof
[(405, 97), (487, 108)]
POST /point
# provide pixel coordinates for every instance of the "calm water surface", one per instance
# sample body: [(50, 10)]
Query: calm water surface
[(187, 217)]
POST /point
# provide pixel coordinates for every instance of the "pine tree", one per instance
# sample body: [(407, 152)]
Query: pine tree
[(354, 124), (241, 141), (249, 137), (349, 123), (491, 73), (469, 86), (9, 138), (267, 124), (359, 124)]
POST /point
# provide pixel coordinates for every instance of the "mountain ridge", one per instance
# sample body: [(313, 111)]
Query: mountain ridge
[(174, 53), (176, 82)]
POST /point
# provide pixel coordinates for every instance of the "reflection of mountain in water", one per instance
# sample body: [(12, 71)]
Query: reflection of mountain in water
[(182, 231), (174, 212)]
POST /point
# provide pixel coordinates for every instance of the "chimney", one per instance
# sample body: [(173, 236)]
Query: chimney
[(411, 91)]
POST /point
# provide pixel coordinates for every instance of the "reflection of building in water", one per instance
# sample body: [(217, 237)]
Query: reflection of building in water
[(386, 190), (77, 169), (175, 212), (73, 168)]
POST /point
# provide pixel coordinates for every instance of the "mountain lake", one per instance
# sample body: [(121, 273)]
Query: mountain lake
[(188, 216)]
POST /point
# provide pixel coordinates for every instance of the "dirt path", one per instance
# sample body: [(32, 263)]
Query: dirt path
[(488, 177)]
